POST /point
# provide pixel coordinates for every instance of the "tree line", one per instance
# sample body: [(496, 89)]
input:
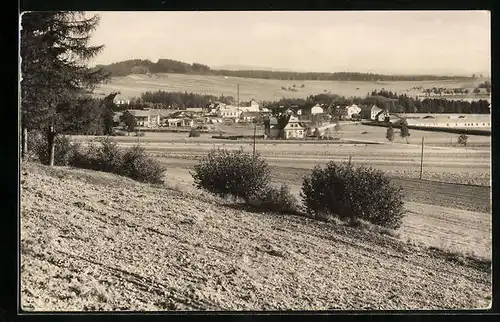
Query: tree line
[(139, 66), (180, 100), (392, 102)]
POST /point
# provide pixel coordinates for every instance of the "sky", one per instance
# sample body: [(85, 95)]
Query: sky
[(388, 42)]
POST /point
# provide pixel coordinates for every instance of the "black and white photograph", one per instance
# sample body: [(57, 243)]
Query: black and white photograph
[(264, 161)]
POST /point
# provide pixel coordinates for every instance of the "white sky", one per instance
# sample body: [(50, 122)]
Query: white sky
[(399, 42)]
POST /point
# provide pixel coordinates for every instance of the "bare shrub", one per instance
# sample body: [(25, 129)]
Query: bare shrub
[(194, 133)]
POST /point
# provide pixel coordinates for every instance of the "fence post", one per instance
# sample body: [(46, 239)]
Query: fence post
[(422, 159), (51, 140)]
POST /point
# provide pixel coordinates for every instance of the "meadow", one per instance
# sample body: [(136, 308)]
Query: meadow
[(264, 89)]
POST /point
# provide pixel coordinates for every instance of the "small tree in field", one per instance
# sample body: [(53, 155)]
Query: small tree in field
[(405, 132), (389, 135), (232, 173), (317, 133), (462, 139), (129, 121)]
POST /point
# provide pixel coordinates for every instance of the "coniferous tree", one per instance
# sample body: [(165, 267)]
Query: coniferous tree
[(54, 52)]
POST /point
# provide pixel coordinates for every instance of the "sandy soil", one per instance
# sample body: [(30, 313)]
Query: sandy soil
[(95, 241)]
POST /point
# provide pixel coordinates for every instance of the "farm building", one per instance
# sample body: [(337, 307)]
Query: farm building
[(317, 109), (294, 129), (254, 106), (229, 112), (180, 122), (249, 116), (476, 121), (194, 110), (146, 118), (271, 128), (352, 109)]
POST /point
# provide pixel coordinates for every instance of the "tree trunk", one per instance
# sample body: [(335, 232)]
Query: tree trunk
[(51, 135), (24, 148)]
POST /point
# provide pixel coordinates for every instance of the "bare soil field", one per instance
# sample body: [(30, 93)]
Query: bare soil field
[(443, 215), (264, 89), (96, 241)]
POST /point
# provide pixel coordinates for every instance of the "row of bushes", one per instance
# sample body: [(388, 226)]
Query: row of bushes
[(104, 156), (342, 190)]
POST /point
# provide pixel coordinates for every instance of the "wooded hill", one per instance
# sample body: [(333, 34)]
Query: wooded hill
[(139, 66)]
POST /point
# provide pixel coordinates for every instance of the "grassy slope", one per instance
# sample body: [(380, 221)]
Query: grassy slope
[(92, 240)]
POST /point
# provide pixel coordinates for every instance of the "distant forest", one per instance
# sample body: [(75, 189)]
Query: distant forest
[(139, 66)]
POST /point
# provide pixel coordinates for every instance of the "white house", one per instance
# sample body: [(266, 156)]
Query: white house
[(293, 130), (229, 112), (254, 107), (121, 100), (317, 109), (180, 122), (375, 111), (249, 116), (353, 109), (146, 118)]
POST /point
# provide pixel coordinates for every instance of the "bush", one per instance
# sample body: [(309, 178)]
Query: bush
[(137, 165), (194, 133), (277, 200), (351, 193), (108, 157), (462, 139), (38, 147), (232, 173)]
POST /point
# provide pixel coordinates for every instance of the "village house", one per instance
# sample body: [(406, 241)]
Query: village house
[(249, 116), (377, 113), (352, 110), (294, 129), (253, 107), (229, 112), (121, 100), (271, 128), (317, 109), (180, 122), (146, 118)]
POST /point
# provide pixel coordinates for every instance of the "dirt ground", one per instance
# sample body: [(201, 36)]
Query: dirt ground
[(95, 241), (449, 216)]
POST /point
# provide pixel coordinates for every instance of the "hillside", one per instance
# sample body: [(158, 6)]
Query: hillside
[(140, 66), (95, 241)]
